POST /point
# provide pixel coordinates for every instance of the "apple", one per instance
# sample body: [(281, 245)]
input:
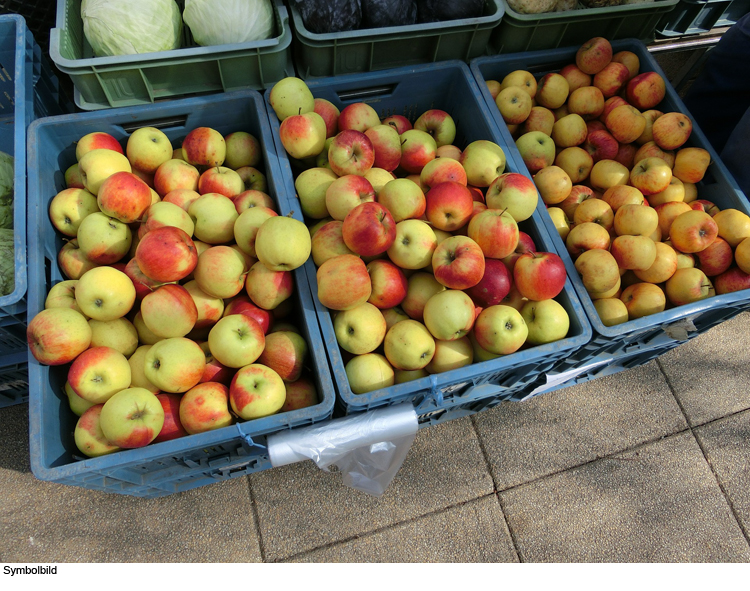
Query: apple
[(220, 271), (483, 161), (586, 236), (221, 180), (253, 178), (421, 286), (97, 165), (650, 176), (646, 90), (496, 233), (611, 78), (586, 101), (378, 178), (328, 242), (169, 311), (522, 78), (690, 164), (608, 173), (552, 90), (597, 211), (601, 145), (242, 149), (351, 152), (148, 148), (58, 335), (643, 299), (650, 115), (124, 197), (283, 243), (246, 227), (330, 114), (449, 314), (569, 130), (578, 194), (598, 270), (688, 285), (458, 262), (525, 244), (408, 345), (560, 221), (398, 122), (671, 130), (97, 140), (625, 123), (734, 225), (204, 147), (539, 275), (174, 364), (539, 119), (500, 330), (358, 116), (166, 254), (88, 435), (403, 199), (494, 285), (619, 195), (414, 245), (692, 231), (438, 124), (118, 334), (165, 213), (388, 282), (704, 205), (575, 76), (664, 266), (72, 177), (441, 170), (554, 184), (515, 193), (649, 149), (105, 293), (205, 407), (290, 96), (611, 311), (716, 258), (537, 150), (369, 229), (633, 252), (145, 336), (311, 186), (343, 282), (576, 162), (175, 174), (62, 295), (102, 239), (98, 373), (675, 191), (303, 135), (514, 104), (214, 215), (387, 146), (299, 394), (345, 193), (449, 205), (236, 340), (394, 315), (268, 289), (449, 355), (249, 199), (369, 372), (361, 329), (256, 391), (731, 280), (172, 427), (132, 418), (594, 55), (547, 321), (417, 149), (636, 220), (667, 213), (69, 207)]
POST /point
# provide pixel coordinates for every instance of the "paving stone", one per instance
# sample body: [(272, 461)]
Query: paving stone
[(47, 522), (301, 508), (568, 427), (657, 503), (471, 532), (710, 373), (725, 443)]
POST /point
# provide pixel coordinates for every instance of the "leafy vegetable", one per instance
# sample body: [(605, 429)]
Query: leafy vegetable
[(388, 13), (6, 190), (330, 16), (447, 10), (127, 27), (7, 262), (219, 22)]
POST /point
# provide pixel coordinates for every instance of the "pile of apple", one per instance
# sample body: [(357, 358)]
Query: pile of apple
[(176, 316), (416, 241), (620, 184)]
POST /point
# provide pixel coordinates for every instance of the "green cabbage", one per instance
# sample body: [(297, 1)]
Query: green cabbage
[(6, 190), (219, 22), (126, 27), (7, 262)]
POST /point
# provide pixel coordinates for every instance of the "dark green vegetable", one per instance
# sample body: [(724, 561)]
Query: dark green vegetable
[(7, 262)]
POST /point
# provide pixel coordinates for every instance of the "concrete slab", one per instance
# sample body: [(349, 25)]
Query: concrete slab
[(301, 508), (471, 532), (710, 373), (725, 443), (46, 522), (657, 503), (569, 427)]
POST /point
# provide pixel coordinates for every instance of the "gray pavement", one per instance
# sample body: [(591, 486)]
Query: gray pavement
[(649, 465)]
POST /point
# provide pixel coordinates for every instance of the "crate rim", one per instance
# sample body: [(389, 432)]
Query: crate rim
[(667, 316), (246, 429), (604, 11), (434, 381)]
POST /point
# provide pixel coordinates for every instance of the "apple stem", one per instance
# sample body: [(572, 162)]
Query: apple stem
[(290, 214)]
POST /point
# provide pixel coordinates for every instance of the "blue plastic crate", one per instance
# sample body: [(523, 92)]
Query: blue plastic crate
[(410, 91), (27, 91), (184, 463), (14, 379), (692, 17), (666, 329)]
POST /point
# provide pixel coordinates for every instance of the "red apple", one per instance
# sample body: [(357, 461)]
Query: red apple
[(494, 285), (369, 229), (166, 254), (539, 275), (458, 262), (716, 258), (389, 284), (449, 205), (351, 152), (359, 117), (172, 428), (124, 196), (646, 90)]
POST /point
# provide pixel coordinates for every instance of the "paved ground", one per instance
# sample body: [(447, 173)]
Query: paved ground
[(650, 465)]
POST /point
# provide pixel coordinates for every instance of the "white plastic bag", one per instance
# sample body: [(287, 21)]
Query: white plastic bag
[(220, 22)]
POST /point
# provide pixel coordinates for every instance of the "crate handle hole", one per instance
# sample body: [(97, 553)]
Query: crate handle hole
[(361, 94), (166, 123)]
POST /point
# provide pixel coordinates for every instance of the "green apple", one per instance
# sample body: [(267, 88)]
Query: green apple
[(236, 340), (369, 372), (118, 334), (148, 148), (484, 161), (500, 330), (137, 362), (311, 186), (214, 216), (256, 391), (68, 208), (547, 321), (105, 293), (291, 96), (361, 329), (88, 435), (409, 345), (283, 243), (450, 355), (175, 365), (132, 418), (77, 404), (449, 315)]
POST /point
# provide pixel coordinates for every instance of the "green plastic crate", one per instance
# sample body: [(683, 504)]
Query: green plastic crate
[(531, 32), (131, 80), (369, 50)]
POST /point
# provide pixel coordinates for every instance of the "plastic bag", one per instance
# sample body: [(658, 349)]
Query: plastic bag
[(330, 16), (388, 13), (430, 11), (368, 449)]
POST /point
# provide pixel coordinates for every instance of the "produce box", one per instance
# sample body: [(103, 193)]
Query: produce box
[(409, 92), (673, 326), (531, 32), (367, 50), (691, 17), (188, 462), (128, 80), (28, 90), (14, 379)]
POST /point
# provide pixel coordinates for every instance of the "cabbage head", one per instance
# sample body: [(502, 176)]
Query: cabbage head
[(7, 262), (219, 22), (127, 27), (6, 190)]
